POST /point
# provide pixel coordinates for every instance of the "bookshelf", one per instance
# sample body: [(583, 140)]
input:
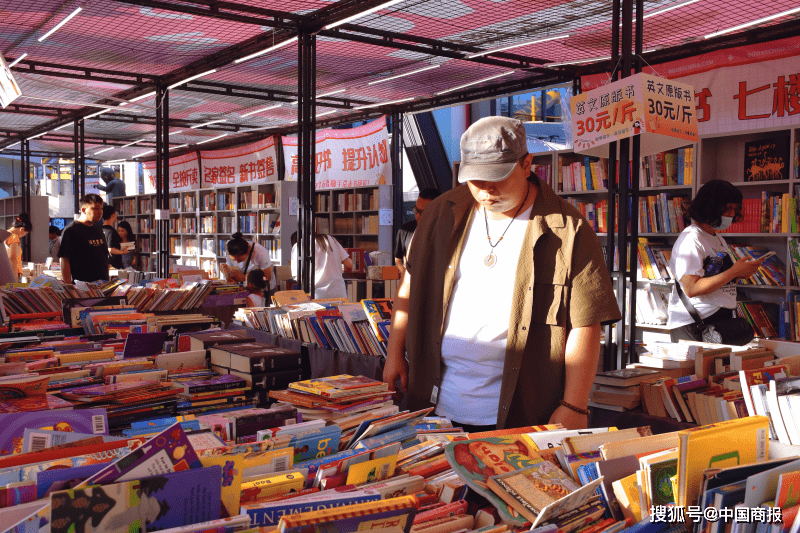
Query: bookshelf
[(138, 212), (40, 221), (352, 215), (714, 157)]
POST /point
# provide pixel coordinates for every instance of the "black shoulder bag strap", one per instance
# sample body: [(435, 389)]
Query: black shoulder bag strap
[(247, 263), (689, 307)]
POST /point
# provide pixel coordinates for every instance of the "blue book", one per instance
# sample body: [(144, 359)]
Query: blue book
[(165, 421), (588, 473), (190, 425), (681, 163), (587, 173), (314, 465), (49, 481), (398, 435), (782, 318), (314, 443)]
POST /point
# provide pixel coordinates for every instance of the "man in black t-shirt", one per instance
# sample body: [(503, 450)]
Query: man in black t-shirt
[(406, 231), (83, 252), (113, 240)]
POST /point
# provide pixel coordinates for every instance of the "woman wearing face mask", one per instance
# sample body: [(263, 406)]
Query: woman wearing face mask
[(701, 263)]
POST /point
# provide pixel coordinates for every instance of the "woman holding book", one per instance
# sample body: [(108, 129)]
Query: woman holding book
[(329, 256), (130, 258), (700, 261), (19, 228), (244, 256)]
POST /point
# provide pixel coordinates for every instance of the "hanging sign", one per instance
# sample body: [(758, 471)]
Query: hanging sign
[(356, 157), (751, 87), (184, 173), (9, 89), (660, 111), (241, 165)]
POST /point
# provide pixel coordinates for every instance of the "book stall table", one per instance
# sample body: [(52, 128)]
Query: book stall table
[(634, 418), (223, 306)]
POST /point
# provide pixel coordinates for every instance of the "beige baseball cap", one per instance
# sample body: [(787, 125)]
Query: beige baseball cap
[(490, 149)]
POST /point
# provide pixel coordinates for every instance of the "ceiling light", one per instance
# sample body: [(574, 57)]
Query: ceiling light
[(753, 23), (66, 19), (176, 132), (142, 97), (326, 113), (62, 127), (213, 138), (144, 153), (112, 162), (578, 61), (187, 80), (429, 67), (17, 60), (266, 50), (208, 123), (181, 146), (362, 14), (475, 82), (96, 114), (35, 136), (382, 103), (676, 6), (260, 110), (331, 93), (69, 102), (13, 145), (131, 144), (544, 40), (104, 150)]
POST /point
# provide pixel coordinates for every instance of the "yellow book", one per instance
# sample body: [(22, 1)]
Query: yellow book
[(627, 492), (99, 355), (359, 511), (231, 479), (785, 213), (374, 470), (593, 169), (688, 162), (272, 486), (730, 443)]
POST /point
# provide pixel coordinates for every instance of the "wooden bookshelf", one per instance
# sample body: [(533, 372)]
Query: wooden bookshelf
[(352, 215)]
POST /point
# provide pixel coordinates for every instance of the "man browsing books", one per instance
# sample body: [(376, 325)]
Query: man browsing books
[(406, 232), (83, 252), (113, 240), (502, 320)]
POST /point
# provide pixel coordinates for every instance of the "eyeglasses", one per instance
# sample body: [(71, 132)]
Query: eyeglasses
[(418, 211)]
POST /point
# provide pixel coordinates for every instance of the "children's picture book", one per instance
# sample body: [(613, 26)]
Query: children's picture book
[(529, 490), (359, 517), (12, 426), (231, 487), (148, 504), (35, 440), (57, 479), (20, 386)]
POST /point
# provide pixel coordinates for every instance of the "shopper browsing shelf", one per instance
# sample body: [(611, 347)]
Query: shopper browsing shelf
[(406, 231), (114, 187), (55, 241), (113, 240), (19, 228), (128, 245), (83, 252), (329, 256), (244, 256), (701, 264), (517, 340)]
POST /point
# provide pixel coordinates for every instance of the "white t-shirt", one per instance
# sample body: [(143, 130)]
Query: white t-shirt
[(254, 300), (328, 280), (260, 259), (691, 248), (476, 326)]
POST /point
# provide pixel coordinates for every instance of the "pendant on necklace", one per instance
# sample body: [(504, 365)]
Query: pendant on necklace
[(490, 260)]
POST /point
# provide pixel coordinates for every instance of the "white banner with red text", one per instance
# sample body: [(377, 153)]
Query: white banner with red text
[(241, 165), (184, 174), (356, 157), (739, 89)]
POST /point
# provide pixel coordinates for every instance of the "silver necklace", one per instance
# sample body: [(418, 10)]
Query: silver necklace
[(491, 259)]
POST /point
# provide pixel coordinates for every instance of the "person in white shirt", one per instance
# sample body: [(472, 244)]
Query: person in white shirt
[(247, 256), (256, 285), (329, 256)]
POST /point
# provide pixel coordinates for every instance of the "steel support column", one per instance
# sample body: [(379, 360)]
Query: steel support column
[(82, 155), (306, 157), (26, 193), (162, 181), (397, 171), (76, 185)]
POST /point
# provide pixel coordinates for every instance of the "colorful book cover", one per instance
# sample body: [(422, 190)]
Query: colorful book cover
[(149, 504), (169, 451), (315, 443), (47, 402), (31, 471), (12, 426), (476, 460), (374, 470), (14, 387), (231, 487), (58, 479), (399, 512), (35, 440), (270, 513), (337, 386), (531, 489)]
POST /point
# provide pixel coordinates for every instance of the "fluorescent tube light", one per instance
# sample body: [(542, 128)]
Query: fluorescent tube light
[(70, 102), (17, 60), (115, 161), (176, 132), (326, 113), (260, 110), (362, 14), (475, 82), (509, 47), (429, 67), (331, 93), (676, 6), (13, 145), (131, 144), (754, 22), (104, 150), (382, 103), (578, 61), (96, 114), (187, 80), (181, 146), (144, 153), (217, 121), (213, 138), (35, 136), (57, 26), (266, 50), (142, 97), (61, 127)]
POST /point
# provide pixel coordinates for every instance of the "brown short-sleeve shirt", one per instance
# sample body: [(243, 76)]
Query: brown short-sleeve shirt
[(561, 283)]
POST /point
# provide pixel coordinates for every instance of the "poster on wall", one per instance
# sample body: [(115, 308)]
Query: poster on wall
[(356, 157), (184, 174), (767, 159), (746, 88), (661, 112), (241, 165)]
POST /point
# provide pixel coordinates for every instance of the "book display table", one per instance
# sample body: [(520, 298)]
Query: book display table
[(634, 418)]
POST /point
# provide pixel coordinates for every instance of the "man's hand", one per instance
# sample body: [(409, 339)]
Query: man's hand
[(568, 418)]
